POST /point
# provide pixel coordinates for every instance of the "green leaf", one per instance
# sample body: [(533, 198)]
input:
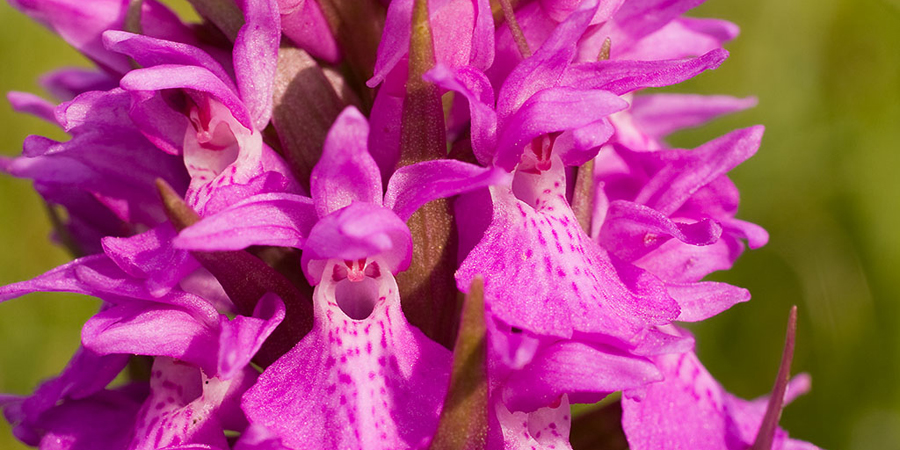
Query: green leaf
[(464, 419)]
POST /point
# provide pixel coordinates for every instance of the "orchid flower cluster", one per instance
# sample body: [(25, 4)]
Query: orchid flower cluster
[(397, 224)]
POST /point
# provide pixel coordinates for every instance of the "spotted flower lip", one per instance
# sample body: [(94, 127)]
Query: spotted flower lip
[(269, 202)]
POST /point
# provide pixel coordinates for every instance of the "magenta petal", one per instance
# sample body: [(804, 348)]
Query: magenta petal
[(578, 146), (622, 77), (346, 172), (675, 261), (586, 373), (256, 58), (463, 33), (658, 115), (156, 330), (386, 122), (103, 420), (632, 230), (691, 411), (545, 68), (80, 24), (663, 340), (680, 38), (151, 255), (99, 276), (475, 87), (546, 428), (394, 43), (187, 409), (700, 301), (282, 220), (361, 230), (415, 185), (755, 235), (550, 110), (24, 102), (639, 18), (242, 336), (158, 122), (375, 382), (687, 409), (68, 83), (149, 52), (573, 282), (303, 22), (257, 437), (559, 10), (86, 374), (673, 185), (187, 77)]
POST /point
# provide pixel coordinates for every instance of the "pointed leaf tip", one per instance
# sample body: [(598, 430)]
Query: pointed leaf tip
[(769, 425), (179, 213), (604, 50), (464, 422)]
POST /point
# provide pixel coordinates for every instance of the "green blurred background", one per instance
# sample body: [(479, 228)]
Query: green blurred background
[(825, 184)]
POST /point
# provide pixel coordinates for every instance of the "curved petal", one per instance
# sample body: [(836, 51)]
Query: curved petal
[(680, 38), (70, 82), (143, 328), (358, 231), (151, 255), (303, 22), (81, 24), (475, 87), (170, 76), (346, 172), (256, 58), (584, 372), (24, 102), (99, 276), (639, 18), (187, 409), (242, 336), (669, 188), (691, 410), (102, 420), (545, 68), (658, 115), (551, 262), (415, 185), (675, 261), (622, 77), (148, 52), (551, 110), (632, 230), (282, 220), (700, 301)]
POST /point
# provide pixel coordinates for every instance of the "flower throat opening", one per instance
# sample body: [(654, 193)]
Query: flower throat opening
[(356, 288)]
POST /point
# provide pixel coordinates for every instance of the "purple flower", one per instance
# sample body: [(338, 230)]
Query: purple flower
[(270, 205)]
